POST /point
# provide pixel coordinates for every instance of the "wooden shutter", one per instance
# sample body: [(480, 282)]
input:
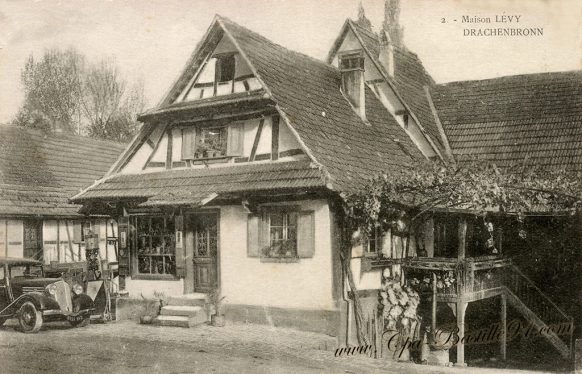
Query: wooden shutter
[(77, 238), (180, 255), (188, 143), (235, 139), (123, 231), (254, 235), (306, 234)]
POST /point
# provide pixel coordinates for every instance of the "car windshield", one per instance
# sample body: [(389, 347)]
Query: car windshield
[(26, 271)]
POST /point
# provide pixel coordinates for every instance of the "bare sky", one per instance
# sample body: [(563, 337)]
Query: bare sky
[(151, 40)]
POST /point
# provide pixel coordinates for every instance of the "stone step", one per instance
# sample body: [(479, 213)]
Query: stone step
[(181, 321), (193, 299), (181, 310)]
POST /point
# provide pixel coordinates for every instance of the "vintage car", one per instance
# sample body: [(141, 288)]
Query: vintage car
[(26, 294)]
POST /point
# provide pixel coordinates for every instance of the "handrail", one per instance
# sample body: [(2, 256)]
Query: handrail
[(540, 292)]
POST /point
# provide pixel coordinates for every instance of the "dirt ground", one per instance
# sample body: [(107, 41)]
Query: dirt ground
[(127, 347)]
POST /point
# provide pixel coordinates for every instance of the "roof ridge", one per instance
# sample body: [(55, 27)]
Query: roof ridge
[(300, 54), (561, 72), (60, 136)]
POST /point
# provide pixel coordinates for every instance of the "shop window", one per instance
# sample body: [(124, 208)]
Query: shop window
[(155, 247)]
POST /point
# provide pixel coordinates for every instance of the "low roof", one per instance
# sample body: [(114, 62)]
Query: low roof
[(534, 117), (40, 171), (198, 186), (19, 261)]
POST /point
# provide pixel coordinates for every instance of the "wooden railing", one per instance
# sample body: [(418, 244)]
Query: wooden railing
[(524, 289), (470, 275)]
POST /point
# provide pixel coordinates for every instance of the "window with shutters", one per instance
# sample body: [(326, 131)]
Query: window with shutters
[(283, 234), (282, 230), (212, 141)]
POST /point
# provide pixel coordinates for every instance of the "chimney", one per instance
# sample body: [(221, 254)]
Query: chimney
[(351, 66), (386, 55), (391, 24)]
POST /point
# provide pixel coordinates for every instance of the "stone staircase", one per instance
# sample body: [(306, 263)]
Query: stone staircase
[(184, 311)]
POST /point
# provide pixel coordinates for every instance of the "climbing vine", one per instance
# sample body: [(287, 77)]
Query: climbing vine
[(398, 199)]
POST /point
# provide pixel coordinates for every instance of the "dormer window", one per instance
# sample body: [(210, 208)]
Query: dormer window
[(351, 61), (351, 66)]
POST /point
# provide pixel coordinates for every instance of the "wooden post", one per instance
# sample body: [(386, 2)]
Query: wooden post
[(462, 237), (434, 303), (461, 308), (503, 338)]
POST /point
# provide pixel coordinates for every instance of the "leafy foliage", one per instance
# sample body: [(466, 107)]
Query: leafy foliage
[(478, 187), (63, 91)]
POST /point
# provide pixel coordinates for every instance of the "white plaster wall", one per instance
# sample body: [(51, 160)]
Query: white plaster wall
[(147, 288), (162, 151), (265, 142), (137, 162), (306, 284), (15, 238), (176, 144), (286, 138)]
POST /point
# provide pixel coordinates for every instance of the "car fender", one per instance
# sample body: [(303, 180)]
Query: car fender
[(40, 301), (85, 302)]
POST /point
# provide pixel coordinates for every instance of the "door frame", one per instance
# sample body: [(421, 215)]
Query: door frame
[(188, 231)]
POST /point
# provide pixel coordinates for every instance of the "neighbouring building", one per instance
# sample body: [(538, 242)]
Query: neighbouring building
[(39, 172), (235, 179)]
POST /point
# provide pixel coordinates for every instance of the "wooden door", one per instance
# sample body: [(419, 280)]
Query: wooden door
[(206, 236), (33, 239)]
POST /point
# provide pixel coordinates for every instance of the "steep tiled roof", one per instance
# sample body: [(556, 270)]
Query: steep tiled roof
[(409, 79), (509, 119), (308, 92), (39, 172), (193, 185)]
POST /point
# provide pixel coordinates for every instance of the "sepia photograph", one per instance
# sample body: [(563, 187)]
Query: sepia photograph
[(290, 186)]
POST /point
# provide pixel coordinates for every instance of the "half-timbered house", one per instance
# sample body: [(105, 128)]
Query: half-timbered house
[(38, 174), (235, 177)]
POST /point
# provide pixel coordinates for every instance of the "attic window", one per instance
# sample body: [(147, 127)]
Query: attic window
[(351, 61), (222, 74), (225, 68)]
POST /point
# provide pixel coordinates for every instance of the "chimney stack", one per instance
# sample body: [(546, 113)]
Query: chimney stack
[(386, 55), (391, 24)]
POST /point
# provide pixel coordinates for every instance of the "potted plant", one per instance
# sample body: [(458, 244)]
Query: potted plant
[(217, 319)]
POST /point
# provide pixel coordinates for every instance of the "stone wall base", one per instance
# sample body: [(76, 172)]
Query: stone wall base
[(320, 321)]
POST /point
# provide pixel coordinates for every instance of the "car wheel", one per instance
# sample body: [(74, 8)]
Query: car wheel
[(29, 318)]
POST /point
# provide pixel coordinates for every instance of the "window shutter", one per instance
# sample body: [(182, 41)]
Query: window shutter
[(123, 230), (188, 143), (180, 247), (235, 139), (306, 234), (77, 232), (253, 235)]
